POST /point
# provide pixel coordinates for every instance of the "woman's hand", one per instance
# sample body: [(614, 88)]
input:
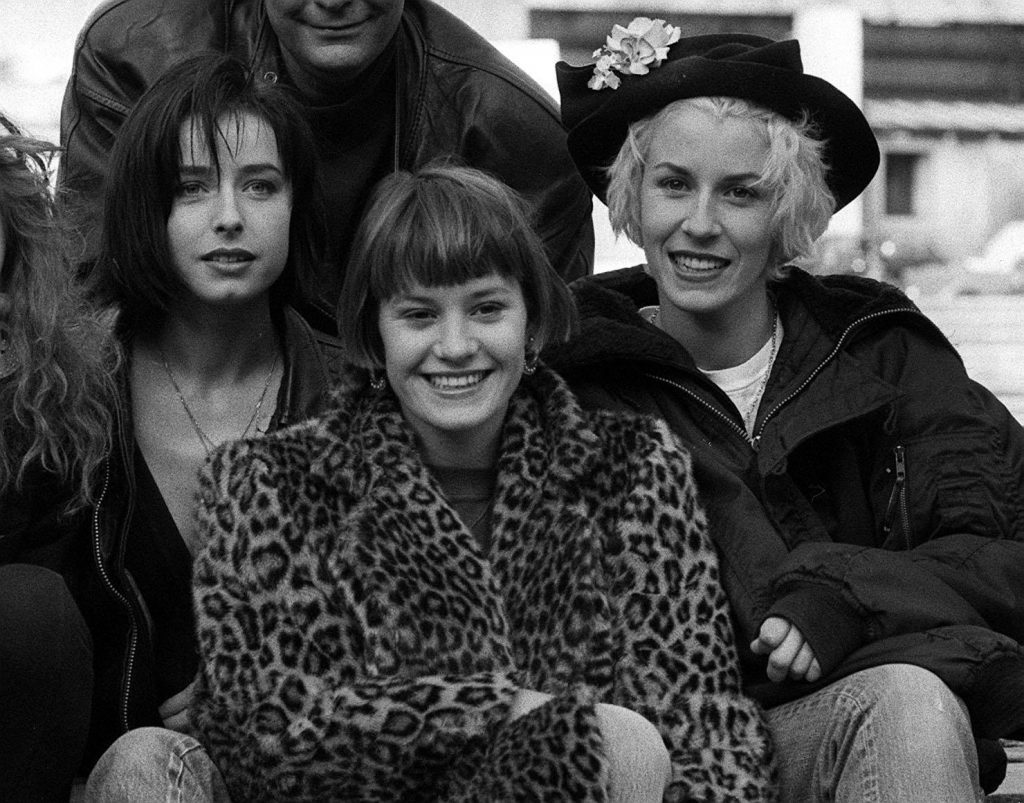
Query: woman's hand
[(525, 701), (174, 710), (789, 654)]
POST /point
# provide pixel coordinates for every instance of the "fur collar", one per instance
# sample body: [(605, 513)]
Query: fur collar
[(544, 436)]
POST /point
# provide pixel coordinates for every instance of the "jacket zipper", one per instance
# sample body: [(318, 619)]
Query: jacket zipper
[(898, 497), (707, 406), (133, 636), (755, 440)]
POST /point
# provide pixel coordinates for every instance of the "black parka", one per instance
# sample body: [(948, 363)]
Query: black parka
[(880, 504)]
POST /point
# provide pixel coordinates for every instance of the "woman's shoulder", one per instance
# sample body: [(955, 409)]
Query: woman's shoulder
[(629, 425), (566, 412), (639, 438), (622, 437), (289, 454)]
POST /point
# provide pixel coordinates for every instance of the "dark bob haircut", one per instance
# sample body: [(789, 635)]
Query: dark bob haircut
[(135, 268), (440, 226)]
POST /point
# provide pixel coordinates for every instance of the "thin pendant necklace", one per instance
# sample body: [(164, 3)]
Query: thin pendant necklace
[(748, 417), (204, 439)]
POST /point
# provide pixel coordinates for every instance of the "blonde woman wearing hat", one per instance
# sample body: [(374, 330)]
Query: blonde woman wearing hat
[(864, 494)]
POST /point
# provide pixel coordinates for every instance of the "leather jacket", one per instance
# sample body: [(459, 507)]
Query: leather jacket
[(461, 97), (88, 548)]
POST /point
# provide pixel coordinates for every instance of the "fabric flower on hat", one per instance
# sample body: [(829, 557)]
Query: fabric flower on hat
[(633, 50)]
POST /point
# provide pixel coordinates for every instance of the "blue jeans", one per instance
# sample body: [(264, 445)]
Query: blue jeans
[(891, 733), (158, 766)]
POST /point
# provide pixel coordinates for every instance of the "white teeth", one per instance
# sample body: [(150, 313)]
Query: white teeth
[(700, 263), (448, 382)]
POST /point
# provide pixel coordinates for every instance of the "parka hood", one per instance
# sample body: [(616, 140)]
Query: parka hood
[(611, 330)]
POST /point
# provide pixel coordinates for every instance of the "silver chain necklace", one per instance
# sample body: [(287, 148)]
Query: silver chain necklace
[(748, 416), (204, 439)]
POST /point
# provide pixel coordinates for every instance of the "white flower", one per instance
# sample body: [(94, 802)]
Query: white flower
[(633, 50)]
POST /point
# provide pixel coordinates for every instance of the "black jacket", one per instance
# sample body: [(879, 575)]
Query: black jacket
[(880, 505), (461, 98), (88, 548)]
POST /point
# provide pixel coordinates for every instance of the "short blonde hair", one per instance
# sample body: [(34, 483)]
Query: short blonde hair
[(795, 174)]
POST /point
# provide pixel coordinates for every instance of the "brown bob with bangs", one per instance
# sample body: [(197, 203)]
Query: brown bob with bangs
[(441, 226)]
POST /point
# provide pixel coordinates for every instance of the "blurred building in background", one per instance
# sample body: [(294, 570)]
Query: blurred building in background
[(941, 81), (36, 44)]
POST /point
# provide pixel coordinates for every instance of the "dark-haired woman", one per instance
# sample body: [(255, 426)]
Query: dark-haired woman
[(866, 497), (212, 216)]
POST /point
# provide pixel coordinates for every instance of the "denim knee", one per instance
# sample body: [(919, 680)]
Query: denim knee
[(638, 761), (915, 701), (892, 732), (155, 764)]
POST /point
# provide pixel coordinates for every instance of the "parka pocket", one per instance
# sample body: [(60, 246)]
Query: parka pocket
[(944, 484), (896, 522)]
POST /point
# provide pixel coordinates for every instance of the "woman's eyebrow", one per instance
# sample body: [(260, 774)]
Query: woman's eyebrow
[(195, 171), (749, 175), (260, 167), (198, 170)]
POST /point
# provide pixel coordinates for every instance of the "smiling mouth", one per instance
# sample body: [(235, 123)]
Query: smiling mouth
[(699, 263), (456, 381)]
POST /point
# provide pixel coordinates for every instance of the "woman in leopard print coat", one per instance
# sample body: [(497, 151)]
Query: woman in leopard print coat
[(361, 640)]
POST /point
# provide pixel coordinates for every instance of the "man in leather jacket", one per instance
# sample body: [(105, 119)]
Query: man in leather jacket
[(386, 84)]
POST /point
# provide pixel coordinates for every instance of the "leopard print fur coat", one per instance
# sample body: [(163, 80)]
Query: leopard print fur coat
[(356, 645)]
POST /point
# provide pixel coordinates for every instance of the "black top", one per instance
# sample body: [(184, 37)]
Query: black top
[(470, 491), (160, 565), (353, 157)]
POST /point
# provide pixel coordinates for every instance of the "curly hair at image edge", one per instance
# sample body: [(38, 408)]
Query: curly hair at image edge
[(58, 399)]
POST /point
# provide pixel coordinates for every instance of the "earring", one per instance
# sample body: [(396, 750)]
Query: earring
[(377, 380), (532, 358)]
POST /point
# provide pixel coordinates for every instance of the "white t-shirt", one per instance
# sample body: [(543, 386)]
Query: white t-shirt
[(744, 384)]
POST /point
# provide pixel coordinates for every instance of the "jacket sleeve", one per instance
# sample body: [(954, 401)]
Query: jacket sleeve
[(522, 142), (103, 86), (679, 666), (952, 485), (509, 130), (122, 49), (289, 710)]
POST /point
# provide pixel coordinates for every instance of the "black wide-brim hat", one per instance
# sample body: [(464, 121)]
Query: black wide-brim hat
[(768, 72)]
